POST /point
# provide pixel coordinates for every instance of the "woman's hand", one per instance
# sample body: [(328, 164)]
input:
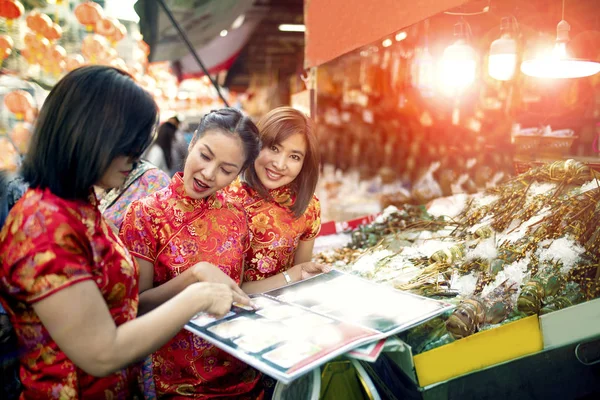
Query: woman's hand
[(299, 272), (216, 298), (209, 273)]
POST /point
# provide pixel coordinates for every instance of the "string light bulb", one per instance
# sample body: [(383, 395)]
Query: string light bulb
[(502, 62)]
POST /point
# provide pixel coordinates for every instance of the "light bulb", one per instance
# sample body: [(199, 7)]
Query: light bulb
[(459, 66), (559, 65), (559, 51), (502, 62)]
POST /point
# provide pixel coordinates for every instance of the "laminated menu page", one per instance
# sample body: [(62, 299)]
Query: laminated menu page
[(299, 327)]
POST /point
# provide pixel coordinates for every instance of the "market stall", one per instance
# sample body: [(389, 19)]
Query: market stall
[(459, 164), (447, 105), (519, 261)]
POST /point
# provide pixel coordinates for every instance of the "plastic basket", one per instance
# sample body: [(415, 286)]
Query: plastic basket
[(527, 144), (556, 146)]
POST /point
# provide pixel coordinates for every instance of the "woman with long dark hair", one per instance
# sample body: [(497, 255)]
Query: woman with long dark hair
[(69, 285)]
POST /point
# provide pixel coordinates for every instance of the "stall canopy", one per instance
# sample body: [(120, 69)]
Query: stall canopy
[(203, 22), (336, 27)]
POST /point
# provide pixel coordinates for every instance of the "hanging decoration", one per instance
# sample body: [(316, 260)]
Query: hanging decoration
[(6, 47), (18, 102), (11, 10), (88, 14)]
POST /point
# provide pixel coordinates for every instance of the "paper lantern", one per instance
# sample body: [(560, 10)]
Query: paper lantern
[(18, 102), (119, 64), (28, 56), (94, 47), (106, 27), (38, 22), (37, 46), (8, 155), (21, 136), (88, 14), (74, 61), (144, 47), (120, 33), (57, 53), (54, 32), (31, 115), (6, 46), (11, 9)]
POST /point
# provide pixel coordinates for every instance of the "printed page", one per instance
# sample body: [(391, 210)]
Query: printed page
[(301, 326), (355, 300), (280, 339)]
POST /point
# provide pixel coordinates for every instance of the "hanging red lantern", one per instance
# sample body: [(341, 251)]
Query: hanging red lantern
[(106, 27), (144, 47), (18, 102), (74, 61), (6, 46), (28, 56), (11, 9), (21, 136), (120, 33), (88, 14), (57, 53), (38, 22), (94, 48), (54, 32), (8, 155)]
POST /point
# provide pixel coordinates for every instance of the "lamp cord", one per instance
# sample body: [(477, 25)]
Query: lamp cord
[(563, 10)]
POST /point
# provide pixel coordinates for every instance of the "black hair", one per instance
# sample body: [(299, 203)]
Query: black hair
[(233, 122), (165, 139), (92, 115)]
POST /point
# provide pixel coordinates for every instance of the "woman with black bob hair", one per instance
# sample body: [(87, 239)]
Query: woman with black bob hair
[(69, 285)]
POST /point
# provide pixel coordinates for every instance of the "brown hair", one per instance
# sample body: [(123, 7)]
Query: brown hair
[(275, 127)]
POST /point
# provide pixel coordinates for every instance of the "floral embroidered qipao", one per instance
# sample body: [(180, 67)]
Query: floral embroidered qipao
[(48, 244), (275, 232), (174, 232)]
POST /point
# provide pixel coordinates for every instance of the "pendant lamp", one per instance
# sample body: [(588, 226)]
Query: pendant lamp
[(459, 63), (559, 64), (502, 62)]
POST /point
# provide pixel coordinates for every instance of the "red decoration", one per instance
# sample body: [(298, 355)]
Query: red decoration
[(88, 14), (6, 46), (74, 61), (54, 32), (18, 102), (144, 47), (11, 9), (20, 136), (38, 22), (94, 47), (120, 32), (106, 27)]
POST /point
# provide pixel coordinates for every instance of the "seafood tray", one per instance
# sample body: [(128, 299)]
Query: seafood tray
[(518, 252)]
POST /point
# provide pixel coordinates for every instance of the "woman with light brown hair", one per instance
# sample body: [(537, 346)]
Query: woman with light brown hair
[(277, 192)]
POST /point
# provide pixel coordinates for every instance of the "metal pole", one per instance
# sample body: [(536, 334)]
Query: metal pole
[(190, 47)]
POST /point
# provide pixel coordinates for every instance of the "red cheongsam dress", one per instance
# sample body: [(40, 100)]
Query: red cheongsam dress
[(48, 244), (174, 232), (274, 230)]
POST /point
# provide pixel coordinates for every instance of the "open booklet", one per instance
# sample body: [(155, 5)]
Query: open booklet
[(301, 326)]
